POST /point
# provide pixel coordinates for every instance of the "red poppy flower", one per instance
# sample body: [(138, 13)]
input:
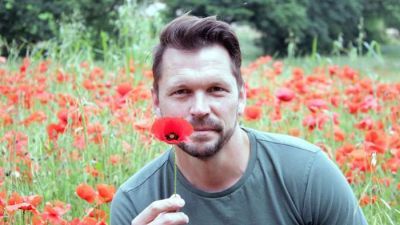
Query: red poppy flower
[(284, 94), (97, 214), (172, 130), (38, 116), (53, 130), (106, 192), (63, 116), (53, 212), (25, 203), (124, 88), (310, 122), (252, 112), (375, 141), (316, 104), (339, 134), (86, 192), (365, 124)]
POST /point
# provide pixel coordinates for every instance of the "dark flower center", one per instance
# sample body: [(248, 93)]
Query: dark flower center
[(172, 136)]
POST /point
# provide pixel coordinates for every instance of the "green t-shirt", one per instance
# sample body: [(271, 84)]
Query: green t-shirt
[(287, 181)]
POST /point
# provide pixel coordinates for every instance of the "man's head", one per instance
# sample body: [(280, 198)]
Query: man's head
[(191, 33), (199, 80)]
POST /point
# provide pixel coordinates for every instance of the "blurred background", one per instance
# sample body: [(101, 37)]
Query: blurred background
[(266, 27)]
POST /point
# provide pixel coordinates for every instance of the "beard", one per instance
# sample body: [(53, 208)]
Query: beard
[(207, 150)]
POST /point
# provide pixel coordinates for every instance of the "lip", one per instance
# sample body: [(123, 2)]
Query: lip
[(203, 129), (202, 134)]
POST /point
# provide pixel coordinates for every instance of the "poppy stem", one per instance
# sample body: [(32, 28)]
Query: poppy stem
[(174, 171)]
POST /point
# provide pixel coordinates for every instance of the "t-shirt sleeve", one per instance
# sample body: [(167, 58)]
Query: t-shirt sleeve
[(122, 209), (329, 198)]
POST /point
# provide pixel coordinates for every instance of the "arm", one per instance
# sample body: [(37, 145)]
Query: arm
[(122, 209), (329, 198)]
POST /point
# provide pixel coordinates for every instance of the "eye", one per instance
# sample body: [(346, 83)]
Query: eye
[(216, 89), (181, 92)]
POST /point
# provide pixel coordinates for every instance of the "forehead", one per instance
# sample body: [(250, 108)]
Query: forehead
[(208, 63)]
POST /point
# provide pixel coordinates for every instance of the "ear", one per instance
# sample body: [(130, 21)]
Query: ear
[(242, 100), (156, 103)]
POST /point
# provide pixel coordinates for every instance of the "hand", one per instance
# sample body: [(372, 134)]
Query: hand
[(162, 212)]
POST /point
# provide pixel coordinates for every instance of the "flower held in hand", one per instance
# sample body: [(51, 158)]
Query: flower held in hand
[(172, 130)]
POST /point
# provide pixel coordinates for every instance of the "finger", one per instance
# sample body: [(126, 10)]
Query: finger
[(171, 218), (173, 203)]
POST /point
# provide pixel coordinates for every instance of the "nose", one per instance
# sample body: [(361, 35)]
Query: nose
[(199, 107)]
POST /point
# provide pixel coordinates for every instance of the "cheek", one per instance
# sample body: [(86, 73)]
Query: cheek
[(173, 109), (227, 109)]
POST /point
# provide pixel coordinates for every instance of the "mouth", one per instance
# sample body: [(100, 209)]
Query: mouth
[(201, 129)]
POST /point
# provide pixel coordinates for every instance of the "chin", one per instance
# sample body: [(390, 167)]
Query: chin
[(201, 151), (207, 145)]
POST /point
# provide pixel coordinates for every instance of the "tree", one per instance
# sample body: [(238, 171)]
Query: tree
[(378, 15), (31, 21), (300, 22)]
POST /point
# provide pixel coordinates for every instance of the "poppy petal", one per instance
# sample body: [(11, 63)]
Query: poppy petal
[(171, 130)]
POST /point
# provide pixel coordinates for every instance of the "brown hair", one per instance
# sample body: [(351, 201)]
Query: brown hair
[(192, 33)]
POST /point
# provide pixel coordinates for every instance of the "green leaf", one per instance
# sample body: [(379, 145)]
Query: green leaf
[(99, 166), (44, 16), (9, 5)]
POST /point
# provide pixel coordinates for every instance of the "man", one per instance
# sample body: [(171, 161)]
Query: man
[(227, 174)]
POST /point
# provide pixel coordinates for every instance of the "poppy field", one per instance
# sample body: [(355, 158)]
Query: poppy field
[(71, 133)]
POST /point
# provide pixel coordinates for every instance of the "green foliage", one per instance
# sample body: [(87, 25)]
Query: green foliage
[(128, 33), (137, 31), (331, 19), (247, 38), (380, 14), (31, 21), (281, 24), (292, 26)]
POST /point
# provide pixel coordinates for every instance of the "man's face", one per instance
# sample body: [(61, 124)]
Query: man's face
[(200, 87)]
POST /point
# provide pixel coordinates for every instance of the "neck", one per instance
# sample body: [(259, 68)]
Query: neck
[(220, 171)]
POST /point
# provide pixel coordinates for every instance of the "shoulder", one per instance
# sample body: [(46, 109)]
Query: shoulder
[(329, 198), (146, 173), (283, 142), (289, 159)]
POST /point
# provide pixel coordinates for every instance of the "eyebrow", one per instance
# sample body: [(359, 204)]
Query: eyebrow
[(174, 87), (184, 84)]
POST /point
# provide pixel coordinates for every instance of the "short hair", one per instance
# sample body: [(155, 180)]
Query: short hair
[(192, 33)]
